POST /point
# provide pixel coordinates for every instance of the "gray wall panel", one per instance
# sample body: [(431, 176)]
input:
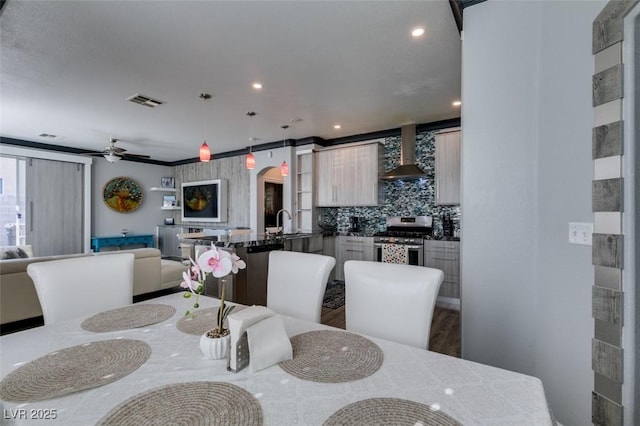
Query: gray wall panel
[(607, 305), (607, 140), (607, 388), (608, 332), (607, 85), (607, 195), (607, 277), (607, 360), (607, 250)]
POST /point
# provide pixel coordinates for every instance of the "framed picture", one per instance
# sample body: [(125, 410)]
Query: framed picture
[(168, 200), (168, 182), (204, 201), (169, 221)]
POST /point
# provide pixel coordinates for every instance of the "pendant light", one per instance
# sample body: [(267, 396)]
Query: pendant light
[(250, 161), (205, 154), (284, 167)]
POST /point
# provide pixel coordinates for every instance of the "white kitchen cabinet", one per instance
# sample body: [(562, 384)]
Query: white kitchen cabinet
[(445, 255), (350, 176), (448, 168), (352, 248), (305, 197)]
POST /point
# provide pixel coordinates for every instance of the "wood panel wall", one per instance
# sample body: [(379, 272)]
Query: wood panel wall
[(233, 170)]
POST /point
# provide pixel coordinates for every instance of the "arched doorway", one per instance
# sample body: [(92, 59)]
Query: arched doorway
[(270, 190)]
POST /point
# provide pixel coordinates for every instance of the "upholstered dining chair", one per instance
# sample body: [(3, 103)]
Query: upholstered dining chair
[(82, 286), (391, 301), (296, 283)]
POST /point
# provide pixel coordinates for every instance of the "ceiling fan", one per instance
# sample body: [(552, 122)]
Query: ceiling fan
[(113, 153)]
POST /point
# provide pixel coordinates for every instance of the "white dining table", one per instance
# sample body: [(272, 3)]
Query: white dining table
[(472, 393)]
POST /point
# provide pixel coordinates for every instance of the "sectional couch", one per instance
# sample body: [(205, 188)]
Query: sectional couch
[(19, 301)]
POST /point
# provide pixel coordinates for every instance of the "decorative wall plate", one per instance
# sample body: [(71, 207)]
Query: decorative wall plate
[(122, 194)]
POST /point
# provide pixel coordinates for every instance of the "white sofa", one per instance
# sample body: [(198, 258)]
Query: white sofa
[(19, 300)]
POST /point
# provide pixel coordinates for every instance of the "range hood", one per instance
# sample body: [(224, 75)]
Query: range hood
[(407, 168)]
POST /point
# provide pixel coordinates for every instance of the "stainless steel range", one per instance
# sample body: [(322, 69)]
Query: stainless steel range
[(403, 239)]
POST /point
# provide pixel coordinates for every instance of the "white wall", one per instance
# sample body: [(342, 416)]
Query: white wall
[(526, 172), (499, 123), (144, 219)]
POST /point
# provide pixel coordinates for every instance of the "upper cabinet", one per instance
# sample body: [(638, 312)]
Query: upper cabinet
[(350, 176), (448, 168)]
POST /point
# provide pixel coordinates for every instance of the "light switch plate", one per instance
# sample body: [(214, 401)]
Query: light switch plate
[(580, 233)]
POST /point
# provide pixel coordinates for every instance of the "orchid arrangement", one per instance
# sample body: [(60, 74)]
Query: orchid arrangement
[(218, 263)]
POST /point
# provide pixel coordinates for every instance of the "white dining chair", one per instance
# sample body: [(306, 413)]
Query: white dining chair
[(296, 283), (391, 301), (82, 286)]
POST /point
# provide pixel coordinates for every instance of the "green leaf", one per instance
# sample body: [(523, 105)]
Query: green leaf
[(186, 295)]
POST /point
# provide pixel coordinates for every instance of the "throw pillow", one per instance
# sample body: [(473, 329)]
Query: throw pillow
[(16, 253)]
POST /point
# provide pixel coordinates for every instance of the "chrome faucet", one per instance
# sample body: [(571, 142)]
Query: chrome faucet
[(278, 219)]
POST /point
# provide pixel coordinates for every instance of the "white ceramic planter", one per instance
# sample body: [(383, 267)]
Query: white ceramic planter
[(215, 348)]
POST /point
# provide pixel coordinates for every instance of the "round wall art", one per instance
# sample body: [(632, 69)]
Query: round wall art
[(122, 194)]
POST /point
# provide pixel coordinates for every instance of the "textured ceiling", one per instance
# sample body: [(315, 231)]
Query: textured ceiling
[(66, 68)]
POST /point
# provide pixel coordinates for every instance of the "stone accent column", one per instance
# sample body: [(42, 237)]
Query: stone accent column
[(608, 205)]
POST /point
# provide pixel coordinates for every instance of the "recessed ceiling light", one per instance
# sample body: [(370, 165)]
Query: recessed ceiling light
[(417, 32), (257, 85), (457, 103), (337, 126)]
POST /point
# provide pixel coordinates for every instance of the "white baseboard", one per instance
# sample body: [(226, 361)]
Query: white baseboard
[(448, 303)]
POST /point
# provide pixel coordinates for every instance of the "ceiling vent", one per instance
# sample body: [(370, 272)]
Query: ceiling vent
[(144, 100)]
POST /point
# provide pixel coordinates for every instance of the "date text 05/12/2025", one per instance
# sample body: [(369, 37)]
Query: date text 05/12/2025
[(29, 414)]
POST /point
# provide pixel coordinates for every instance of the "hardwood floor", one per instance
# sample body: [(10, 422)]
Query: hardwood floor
[(445, 328)]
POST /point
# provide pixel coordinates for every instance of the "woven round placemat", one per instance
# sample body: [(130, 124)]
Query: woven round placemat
[(389, 411), (329, 356), (202, 321), (74, 369), (133, 316), (194, 403)]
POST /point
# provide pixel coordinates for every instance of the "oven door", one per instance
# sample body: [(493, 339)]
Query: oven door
[(414, 253)]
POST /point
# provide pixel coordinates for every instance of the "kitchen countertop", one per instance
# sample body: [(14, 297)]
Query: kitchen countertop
[(346, 234), (255, 239), (248, 240)]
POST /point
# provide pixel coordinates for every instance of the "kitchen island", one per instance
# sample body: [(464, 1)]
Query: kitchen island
[(249, 285)]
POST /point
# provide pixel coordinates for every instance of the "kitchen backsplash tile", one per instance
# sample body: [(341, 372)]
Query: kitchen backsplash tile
[(401, 197)]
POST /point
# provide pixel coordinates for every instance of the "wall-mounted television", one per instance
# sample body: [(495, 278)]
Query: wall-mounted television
[(204, 201)]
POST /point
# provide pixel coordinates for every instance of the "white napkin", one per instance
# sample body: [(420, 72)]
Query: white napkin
[(239, 322), (268, 343)]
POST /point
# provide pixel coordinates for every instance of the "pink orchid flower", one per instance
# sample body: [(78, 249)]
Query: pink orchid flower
[(215, 262), (188, 282), (237, 263)]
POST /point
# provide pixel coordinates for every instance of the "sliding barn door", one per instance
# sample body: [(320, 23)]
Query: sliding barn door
[(54, 195)]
